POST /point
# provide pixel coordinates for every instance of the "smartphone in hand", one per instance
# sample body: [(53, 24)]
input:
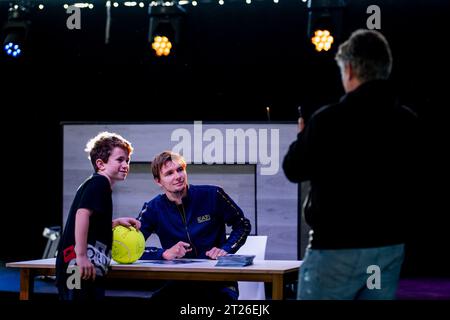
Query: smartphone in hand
[(301, 121)]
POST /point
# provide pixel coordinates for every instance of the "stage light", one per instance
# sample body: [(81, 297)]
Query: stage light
[(161, 45), (53, 234), (165, 28), (12, 49), (15, 30), (322, 40), (324, 22)]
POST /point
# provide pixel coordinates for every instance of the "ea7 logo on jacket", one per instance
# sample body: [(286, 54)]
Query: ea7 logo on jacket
[(203, 218)]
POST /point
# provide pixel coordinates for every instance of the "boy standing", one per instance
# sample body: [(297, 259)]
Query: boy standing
[(85, 247)]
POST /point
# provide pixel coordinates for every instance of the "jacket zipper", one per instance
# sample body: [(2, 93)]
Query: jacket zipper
[(183, 218)]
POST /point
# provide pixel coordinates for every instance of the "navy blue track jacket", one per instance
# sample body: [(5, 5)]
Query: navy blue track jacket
[(200, 221)]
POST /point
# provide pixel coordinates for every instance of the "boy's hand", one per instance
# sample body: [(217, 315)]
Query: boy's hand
[(216, 252), (127, 222), (86, 268)]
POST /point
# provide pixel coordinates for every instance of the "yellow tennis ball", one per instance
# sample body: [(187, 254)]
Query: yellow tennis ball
[(128, 244)]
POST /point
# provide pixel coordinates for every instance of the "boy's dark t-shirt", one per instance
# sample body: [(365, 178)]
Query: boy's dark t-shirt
[(94, 194)]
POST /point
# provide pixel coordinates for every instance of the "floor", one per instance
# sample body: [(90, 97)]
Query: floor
[(424, 289)]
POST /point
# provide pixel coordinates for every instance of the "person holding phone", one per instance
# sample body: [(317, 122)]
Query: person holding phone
[(359, 156)]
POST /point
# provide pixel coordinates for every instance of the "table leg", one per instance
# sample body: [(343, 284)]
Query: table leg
[(277, 287), (26, 284)]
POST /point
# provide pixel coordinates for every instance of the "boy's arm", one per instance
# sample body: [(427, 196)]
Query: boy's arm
[(86, 268)]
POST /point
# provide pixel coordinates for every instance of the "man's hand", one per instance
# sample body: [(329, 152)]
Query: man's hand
[(216, 252), (301, 124), (177, 251), (127, 222)]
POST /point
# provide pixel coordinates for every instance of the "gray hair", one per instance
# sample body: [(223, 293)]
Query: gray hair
[(368, 53)]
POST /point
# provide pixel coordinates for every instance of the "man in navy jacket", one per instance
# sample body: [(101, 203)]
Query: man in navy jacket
[(190, 223)]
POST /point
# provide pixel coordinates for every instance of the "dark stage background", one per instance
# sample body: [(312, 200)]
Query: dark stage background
[(235, 61)]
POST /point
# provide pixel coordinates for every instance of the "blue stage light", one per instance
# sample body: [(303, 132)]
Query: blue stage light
[(12, 49), (15, 30)]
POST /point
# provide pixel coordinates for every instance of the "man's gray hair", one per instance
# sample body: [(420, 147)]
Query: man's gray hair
[(368, 53)]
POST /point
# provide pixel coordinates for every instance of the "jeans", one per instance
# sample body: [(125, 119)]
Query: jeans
[(360, 274)]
